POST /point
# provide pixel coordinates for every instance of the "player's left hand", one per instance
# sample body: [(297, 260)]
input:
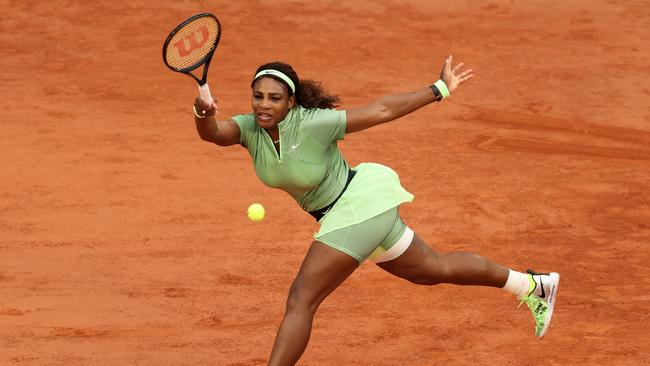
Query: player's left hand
[(452, 76)]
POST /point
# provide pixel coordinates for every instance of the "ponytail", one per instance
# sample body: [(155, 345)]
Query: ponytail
[(310, 94)]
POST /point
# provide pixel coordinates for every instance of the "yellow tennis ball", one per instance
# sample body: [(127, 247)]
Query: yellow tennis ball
[(256, 212)]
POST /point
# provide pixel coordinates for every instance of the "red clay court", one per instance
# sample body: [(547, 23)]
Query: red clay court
[(124, 238)]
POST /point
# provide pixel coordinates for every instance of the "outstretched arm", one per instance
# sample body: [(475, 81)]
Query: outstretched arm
[(394, 106)]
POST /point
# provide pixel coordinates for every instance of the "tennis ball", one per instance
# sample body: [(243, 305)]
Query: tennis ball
[(256, 212)]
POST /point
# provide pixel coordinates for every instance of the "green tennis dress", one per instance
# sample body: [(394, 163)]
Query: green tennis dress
[(310, 167)]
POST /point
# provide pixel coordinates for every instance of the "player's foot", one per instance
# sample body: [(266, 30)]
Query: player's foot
[(541, 299)]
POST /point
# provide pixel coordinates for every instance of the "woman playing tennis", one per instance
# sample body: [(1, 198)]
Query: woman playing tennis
[(292, 137)]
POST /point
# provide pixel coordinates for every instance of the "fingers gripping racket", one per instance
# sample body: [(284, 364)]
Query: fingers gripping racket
[(192, 44)]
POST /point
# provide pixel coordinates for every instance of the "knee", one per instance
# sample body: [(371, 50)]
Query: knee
[(451, 268), (432, 271), (301, 300)]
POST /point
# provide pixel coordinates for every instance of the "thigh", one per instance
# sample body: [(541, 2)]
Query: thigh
[(321, 272), (418, 258), (361, 239)]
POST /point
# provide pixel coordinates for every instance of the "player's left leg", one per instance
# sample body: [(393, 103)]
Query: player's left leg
[(422, 265), (412, 259)]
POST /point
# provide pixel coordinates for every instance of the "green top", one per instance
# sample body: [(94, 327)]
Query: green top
[(312, 170), (309, 165)]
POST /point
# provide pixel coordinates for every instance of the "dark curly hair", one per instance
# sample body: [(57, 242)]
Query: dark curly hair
[(309, 93)]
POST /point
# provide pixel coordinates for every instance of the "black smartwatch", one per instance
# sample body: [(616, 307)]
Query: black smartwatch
[(436, 93)]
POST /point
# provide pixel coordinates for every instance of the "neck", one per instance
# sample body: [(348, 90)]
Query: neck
[(273, 132)]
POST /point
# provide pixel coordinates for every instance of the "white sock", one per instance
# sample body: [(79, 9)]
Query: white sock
[(518, 283)]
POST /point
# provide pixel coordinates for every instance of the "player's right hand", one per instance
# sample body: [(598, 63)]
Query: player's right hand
[(205, 109)]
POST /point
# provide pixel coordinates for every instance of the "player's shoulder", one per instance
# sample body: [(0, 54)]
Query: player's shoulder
[(247, 118), (315, 112), (245, 121), (310, 115)]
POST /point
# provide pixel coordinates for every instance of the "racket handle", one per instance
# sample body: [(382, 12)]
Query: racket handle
[(204, 93)]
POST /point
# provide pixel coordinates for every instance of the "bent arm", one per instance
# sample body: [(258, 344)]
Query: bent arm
[(222, 133)]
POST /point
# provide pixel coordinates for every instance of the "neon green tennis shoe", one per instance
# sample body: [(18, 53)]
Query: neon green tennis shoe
[(541, 299)]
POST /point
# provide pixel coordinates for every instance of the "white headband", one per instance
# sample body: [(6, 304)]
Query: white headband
[(279, 74)]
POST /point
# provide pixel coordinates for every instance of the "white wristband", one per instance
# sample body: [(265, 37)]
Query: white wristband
[(444, 91)]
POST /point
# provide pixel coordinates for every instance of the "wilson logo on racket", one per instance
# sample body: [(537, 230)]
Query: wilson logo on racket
[(191, 42)]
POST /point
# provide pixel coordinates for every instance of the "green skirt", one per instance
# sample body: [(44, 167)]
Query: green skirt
[(375, 189)]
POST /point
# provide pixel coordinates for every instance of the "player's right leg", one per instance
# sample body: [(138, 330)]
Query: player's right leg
[(322, 271)]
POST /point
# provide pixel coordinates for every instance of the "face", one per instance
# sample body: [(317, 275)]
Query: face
[(271, 102)]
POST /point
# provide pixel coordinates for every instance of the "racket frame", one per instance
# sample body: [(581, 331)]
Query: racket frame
[(204, 90)]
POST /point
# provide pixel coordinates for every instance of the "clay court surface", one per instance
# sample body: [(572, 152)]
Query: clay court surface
[(124, 239)]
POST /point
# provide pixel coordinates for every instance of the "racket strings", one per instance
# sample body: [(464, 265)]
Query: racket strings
[(191, 44)]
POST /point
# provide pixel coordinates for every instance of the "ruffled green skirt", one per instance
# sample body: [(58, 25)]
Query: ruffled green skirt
[(375, 189)]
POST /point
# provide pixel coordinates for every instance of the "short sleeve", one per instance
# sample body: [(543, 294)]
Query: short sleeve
[(246, 124), (325, 125)]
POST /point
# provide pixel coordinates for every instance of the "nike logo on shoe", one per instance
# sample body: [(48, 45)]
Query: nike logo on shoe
[(541, 284)]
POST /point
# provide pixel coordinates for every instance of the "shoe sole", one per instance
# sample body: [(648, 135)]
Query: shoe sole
[(555, 280)]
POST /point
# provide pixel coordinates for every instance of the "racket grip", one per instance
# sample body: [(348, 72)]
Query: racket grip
[(204, 93)]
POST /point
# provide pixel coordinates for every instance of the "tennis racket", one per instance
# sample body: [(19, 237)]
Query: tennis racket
[(190, 45)]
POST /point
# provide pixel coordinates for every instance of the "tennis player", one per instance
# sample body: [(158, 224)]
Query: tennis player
[(292, 136)]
